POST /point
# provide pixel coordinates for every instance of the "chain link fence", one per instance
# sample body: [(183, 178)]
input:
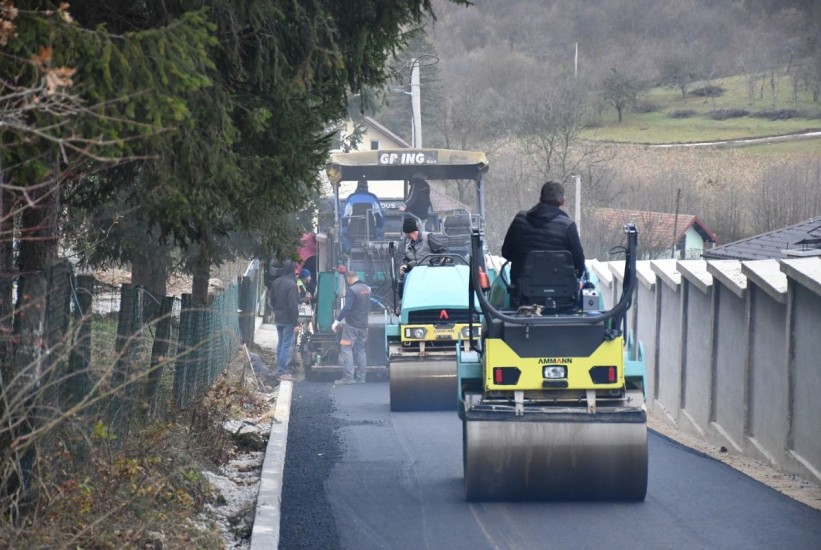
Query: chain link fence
[(111, 359)]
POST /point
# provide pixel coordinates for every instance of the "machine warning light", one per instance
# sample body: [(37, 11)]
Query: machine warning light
[(603, 374), (554, 371), (506, 376)]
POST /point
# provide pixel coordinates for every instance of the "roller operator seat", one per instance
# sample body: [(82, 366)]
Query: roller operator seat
[(548, 278)]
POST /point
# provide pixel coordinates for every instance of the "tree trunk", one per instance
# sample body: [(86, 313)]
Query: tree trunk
[(201, 274), (7, 273), (151, 273), (38, 252)]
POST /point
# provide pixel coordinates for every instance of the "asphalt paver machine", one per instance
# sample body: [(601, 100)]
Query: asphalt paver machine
[(425, 316)]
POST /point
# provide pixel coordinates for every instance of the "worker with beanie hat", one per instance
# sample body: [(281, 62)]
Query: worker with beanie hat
[(302, 284), (418, 244), (409, 225)]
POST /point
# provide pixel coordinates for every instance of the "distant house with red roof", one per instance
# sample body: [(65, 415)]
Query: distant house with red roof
[(661, 234)]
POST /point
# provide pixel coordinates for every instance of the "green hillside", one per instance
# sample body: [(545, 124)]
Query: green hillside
[(663, 116)]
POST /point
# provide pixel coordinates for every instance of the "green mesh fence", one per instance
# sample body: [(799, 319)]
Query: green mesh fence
[(108, 359), (208, 338), (124, 364)]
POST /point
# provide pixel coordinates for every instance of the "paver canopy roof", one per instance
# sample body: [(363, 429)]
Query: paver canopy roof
[(404, 164)]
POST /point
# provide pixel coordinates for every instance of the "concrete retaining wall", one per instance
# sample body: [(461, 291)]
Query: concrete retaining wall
[(733, 352)]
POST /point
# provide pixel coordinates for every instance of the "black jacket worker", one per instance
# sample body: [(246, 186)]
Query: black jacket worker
[(543, 227)]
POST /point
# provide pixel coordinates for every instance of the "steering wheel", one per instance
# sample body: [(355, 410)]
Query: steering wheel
[(442, 259)]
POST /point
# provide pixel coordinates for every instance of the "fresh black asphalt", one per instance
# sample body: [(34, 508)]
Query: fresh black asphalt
[(360, 477)]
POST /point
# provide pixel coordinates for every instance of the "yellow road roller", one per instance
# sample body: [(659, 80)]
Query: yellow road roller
[(551, 396)]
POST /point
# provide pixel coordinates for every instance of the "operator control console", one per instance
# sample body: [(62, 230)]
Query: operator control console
[(590, 299)]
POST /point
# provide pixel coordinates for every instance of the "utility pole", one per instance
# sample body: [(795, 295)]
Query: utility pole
[(578, 204), (576, 62), (416, 105), (675, 224)]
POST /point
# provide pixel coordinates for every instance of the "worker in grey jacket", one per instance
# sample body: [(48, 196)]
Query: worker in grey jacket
[(418, 244), (354, 313)]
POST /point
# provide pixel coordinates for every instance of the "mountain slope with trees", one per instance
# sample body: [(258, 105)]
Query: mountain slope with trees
[(512, 84)]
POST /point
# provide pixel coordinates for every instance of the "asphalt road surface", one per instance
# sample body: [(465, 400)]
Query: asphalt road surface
[(360, 477)]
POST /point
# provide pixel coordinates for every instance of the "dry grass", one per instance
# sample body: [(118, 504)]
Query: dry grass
[(737, 192), (90, 490), (698, 166)]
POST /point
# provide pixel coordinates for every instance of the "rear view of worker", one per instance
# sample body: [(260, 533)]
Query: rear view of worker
[(418, 201), (362, 205), (284, 301), (354, 330), (544, 227)]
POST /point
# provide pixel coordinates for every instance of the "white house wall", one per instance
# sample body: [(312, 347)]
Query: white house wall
[(693, 244)]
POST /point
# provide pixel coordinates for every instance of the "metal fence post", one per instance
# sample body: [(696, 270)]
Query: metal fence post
[(78, 383), (181, 392), (159, 356)]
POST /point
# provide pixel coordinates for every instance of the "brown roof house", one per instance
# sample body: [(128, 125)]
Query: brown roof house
[(661, 234), (795, 241)]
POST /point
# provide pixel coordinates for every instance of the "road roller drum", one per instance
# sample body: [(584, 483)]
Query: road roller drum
[(434, 321), (423, 385), (556, 456)]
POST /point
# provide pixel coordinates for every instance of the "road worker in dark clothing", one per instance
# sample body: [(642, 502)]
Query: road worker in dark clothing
[(544, 227), (418, 245), (284, 300), (354, 330), (418, 201)]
